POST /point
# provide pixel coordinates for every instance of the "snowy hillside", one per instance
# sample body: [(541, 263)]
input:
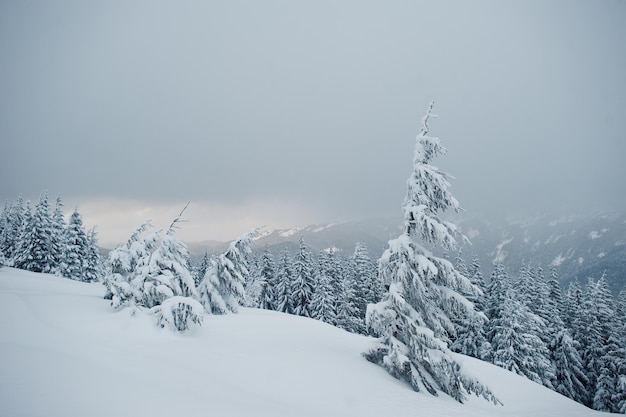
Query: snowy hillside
[(64, 352)]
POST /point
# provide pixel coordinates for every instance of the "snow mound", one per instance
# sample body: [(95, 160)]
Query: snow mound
[(64, 352)]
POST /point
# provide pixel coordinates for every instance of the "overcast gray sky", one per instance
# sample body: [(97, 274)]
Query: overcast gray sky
[(286, 113)]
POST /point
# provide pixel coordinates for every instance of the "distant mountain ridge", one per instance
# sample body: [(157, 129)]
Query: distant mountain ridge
[(580, 246)]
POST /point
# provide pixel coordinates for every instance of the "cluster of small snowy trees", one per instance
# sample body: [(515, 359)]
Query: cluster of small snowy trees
[(329, 288), (151, 271), (41, 241), (573, 343)]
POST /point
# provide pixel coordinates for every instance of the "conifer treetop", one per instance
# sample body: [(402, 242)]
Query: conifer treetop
[(428, 194)]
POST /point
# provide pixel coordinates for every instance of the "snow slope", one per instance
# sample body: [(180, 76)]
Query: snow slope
[(64, 352)]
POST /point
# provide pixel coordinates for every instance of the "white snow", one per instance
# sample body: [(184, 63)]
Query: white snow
[(500, 253), (290, 232), (64, 352), (601, 255), (594, 234), (553, 239), (472, 233), (581, 260), (321, 228), (558, 260), (263, 233), (331, 249)]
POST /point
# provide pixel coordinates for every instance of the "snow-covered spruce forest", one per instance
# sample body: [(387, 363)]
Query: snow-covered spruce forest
[(420, 309)]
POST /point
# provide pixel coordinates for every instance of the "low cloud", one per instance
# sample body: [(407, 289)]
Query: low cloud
[(115, 219)]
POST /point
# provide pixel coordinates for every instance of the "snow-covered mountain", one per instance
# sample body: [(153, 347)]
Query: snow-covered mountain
[(375, 233), (65, 352), (579, 246)]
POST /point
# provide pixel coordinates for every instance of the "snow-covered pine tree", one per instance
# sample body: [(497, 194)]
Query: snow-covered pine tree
[(605, 355), (168, 272), (620, 308), (167, 287), (471, 336), (516, 347), (200, 271), (11, 230), (323, 303), (58, 234), (498, 294), (284, 277), (348, 314), (22, 241), (93, 263), (555, 302), (209, 292), (124, 262), (569, 373), (222, 288), (609, 389), (4, 227), (252, 286), (513, 331), (413, 319), (572, 304), (475, 275), (76, 247), (459, 263), (302, 283), (569, 376), (369, 289), (179, 313), (35, 252), (267, 278)]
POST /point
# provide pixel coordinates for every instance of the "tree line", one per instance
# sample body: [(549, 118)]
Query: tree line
[(40, 240), (572, 341)]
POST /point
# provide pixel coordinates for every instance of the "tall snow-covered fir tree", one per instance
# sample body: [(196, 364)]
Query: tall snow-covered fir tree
[(267, 278), (36, 252), (603, 354), (323, 304), (284, 276), (348, 300), (369, 289), (569, 373), (475, 276), (471, 336), (512, 331), (58, 234), (413, 319), (13, 218), (302, 283), (74, 257), (201, 268), (93, 262)]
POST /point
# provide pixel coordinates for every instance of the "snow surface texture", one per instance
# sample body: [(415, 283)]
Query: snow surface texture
[(64, 352)]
